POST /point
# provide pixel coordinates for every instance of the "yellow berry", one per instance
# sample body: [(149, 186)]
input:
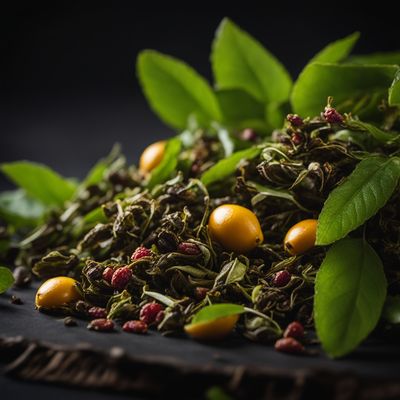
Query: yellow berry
[(235, 227), (151, 156), (301, 237), (56, 292), (212, 330)]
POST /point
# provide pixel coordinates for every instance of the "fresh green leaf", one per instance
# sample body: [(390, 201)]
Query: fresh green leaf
[(6, 279), (240, 110), (216, 311), (377, 133), (350, 290), (226, 167), (167, 165), (175, 91), (40, 182), (168, 301), (96, 174), (391, 310), (358, 198), (18, 209), (241, 62), (394, 91), (347, 84), (389, 58), (336, 51)]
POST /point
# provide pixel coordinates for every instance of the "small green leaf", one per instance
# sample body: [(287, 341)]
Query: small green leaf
[(96, 173), (377, 133), (176, 91), (336, 51), (168, 301), (226, 167), (233, 271), (350, 291), (394, 91), (40, 182), (18, 209), (217, 393), (167, 165), (241, 62), (389, 58), (347, 84), (391, 310), (216, 311), (6, 279), (358, 198)]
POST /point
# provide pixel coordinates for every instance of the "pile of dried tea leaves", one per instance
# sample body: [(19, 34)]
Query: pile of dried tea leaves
[(326, 164)]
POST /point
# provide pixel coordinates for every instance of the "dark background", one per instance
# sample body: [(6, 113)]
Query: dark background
[(68, 86)]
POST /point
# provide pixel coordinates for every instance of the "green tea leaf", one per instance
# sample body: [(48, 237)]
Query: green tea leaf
[(215, 311), (176, 91), (241, 110), (217, 393), (358, 198), (18, 209), (167, 165), (336, 51), (389, 58), (233, 271), (347, 84), (394, 91), (241, 62), (96, 173), (6, 279), (226, 167), (350, 290), (377, 133), (40, 182), (391, 310)]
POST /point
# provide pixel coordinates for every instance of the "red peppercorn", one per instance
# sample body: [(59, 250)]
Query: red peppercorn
[(200, 293), (149, 312), (97, 312), (140, 252), (281, 278), (297, 138), (289, 345), (135, 326), (190, 249), (332, 116), (121, 278), (248, 135), (101, 325), (294, 119), (108, 274), (294, 330)]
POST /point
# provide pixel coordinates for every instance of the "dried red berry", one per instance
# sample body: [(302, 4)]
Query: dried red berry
[(332, 116), (121, 278), (294, 330), (297, 138), (190, 249), (289, 345), (281, 278), (149, 312), (160, 316), (97, 312), (140, 252), (101, 325), (135, 327), (294, 119), (108, 274), (248, 134), (200, 293)]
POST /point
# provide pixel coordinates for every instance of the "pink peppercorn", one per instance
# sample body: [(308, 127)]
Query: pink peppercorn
[(281, 278), (149, 312), (294, 119), (140, 252), (289, 345), (108, 274), (295, 330), (97, 312), (121, 277), (135, 326)]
